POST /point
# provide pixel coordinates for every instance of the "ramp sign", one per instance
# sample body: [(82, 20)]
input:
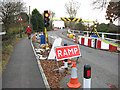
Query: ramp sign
[(65, 52)]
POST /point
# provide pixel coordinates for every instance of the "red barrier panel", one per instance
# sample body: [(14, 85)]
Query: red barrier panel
[(82, 41), (89, 42), (111, 47), (98, 44)]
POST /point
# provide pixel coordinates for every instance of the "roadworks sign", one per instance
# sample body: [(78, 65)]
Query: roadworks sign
[(65, 52), (20, 19)]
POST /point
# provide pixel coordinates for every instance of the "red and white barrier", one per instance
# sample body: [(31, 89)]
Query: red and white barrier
[(104, 45), (91, 42), (87, 41), (74, 37)]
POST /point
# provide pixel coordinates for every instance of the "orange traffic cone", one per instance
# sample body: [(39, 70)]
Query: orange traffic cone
[(74, 80)]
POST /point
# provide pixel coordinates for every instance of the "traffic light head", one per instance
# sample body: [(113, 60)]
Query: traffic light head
[(47, 14), (46, 18)]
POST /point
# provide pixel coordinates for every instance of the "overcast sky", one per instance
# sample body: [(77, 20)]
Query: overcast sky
[(85, 12)]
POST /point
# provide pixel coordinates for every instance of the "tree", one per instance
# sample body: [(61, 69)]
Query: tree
[(113, 11), (79, 26), (100, 4), (37, 21), (109, 28), (52, 14), (24, 16), (10, 12), (72, 8)]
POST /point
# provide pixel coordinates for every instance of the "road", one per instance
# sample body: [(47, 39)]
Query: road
[(22, 70), (104, 64)]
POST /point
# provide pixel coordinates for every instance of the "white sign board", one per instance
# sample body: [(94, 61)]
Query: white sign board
[(57, 42)]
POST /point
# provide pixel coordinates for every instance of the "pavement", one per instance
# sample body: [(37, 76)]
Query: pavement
[(104, 64), (22, 69)]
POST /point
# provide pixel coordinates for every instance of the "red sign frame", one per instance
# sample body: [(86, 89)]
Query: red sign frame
[(20, 19), (67, 52)]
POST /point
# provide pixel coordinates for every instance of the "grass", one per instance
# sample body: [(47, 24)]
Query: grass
[(6, 51)]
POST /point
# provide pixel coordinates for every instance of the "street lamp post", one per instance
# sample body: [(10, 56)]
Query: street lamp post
[(20, 21), (29, 14)]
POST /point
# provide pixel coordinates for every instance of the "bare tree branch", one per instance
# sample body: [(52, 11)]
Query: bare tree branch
[(9, 11), (72, 8), (52, 14), (100, 4)]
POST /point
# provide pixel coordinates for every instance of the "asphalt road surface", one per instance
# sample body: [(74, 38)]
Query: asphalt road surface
[(22, 70), (104, 64)]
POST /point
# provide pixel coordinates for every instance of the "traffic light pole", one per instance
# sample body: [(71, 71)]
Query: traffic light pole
[(20, 31), (46, 39), (46, 24)]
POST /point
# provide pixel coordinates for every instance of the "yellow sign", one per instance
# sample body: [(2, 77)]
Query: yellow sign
[(71, 19)]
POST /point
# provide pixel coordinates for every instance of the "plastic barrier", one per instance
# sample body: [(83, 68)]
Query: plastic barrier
[(70, 35), (42, 41), (96, 43)]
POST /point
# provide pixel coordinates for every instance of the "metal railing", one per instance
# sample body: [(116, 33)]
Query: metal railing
[(102, 33)]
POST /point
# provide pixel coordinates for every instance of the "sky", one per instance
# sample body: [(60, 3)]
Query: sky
[(85, 11)]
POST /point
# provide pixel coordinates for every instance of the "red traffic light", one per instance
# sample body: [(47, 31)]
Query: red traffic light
[(47, 14)]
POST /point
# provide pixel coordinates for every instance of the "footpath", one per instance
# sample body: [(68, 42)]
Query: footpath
[(22, 70)]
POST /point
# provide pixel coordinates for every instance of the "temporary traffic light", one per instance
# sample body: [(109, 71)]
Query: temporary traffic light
[(46, 18)]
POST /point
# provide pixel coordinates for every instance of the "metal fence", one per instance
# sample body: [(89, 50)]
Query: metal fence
[(101, 33)]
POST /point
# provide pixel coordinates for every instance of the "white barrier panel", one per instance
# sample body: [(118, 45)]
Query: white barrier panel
[(79, 40), (104, 45), (93, 42), (57, 42), (86, 41)]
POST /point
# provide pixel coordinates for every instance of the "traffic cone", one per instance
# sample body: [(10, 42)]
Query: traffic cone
[(68, 61), (74, 37), (74, 80), (67, 34)]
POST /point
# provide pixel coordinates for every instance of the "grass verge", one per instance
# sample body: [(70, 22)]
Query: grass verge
[(6, 51)]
